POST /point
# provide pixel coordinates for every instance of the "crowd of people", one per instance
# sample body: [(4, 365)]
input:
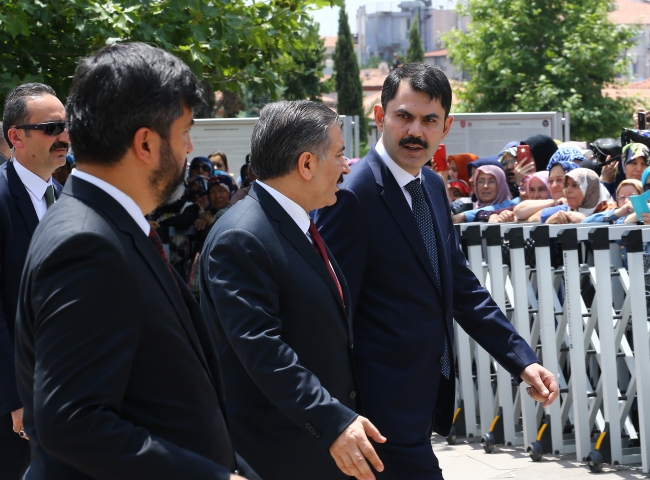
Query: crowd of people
[(557, 183)]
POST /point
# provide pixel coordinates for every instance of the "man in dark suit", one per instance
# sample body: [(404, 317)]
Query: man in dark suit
[(116, 367), (391, 231), (280, 304), (26, 191)]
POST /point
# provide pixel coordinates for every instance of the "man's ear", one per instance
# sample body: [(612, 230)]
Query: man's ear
[(306, 164), (16, 138), (448, 121), (379, 117), (146, 145)]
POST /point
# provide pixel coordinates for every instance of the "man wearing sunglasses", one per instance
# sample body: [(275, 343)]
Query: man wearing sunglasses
[(34, 127)]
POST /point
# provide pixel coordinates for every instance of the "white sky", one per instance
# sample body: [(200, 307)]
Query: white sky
[(329, 17)]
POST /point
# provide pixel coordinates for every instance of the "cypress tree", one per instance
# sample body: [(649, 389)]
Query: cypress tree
[(346, 77), (415, 52)]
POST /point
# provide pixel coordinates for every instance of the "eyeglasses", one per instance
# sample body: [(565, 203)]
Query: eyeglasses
[(51, 129), (505, 163), (489, 183)]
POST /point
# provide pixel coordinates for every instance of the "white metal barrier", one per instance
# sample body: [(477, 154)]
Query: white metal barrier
[(587, 320)]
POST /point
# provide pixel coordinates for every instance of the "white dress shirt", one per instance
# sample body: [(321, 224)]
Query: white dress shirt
[(35, 186), (120, 197), (295, 211), (402, 176)]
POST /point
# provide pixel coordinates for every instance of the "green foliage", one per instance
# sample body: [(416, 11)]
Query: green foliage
[(415, 52), (346, 76), (227, 43), (539, 55)]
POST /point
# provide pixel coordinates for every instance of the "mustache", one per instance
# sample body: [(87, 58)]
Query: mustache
[(413, 141), (56, 145)]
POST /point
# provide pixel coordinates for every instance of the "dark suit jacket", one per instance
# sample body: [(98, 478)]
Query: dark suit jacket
[(400, 312), (283, 340), (116, 368), (18, 221)]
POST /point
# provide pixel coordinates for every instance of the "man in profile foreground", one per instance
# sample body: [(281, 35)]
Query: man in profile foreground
[(116, 367)]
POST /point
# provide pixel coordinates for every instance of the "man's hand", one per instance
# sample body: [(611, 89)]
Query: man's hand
[(17, 418), (350, 448), (543, 387), (608, 173)]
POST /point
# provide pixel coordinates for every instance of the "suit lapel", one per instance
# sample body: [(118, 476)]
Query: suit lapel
[(396, 202), (298, 239), (103, 202), (23, 200)]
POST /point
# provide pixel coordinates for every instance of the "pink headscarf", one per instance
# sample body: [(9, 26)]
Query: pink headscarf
[(503, 192), (543, 176)]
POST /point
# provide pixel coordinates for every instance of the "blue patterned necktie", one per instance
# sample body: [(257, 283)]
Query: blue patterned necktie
[(425, 225)]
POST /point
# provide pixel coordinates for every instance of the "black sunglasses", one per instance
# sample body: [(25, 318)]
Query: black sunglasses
[(51, 129)]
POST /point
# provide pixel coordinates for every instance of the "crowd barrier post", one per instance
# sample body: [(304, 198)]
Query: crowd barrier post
[(568, 238), (522, 323), (505, 418), (633, 240)]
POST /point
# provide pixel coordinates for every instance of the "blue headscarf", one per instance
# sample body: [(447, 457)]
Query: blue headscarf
[(644, 177), (507, 147), (491, 160), (565, 156)]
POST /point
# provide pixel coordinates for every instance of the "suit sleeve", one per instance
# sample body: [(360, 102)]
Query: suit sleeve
[(9, 400), (85, 303), (341, 226), (478, 314), (242, 284)]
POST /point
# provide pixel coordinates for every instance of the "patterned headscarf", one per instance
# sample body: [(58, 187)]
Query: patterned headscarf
[(565, 156), (543, 176), (224, 180), (593, 192), (503, 192)]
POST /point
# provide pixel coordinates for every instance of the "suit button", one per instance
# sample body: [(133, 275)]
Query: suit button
[(352, 395), (442, 360)]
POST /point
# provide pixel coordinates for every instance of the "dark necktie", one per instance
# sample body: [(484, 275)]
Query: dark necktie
[(49, 196), (320, 248), (425, 225), (157, 242)]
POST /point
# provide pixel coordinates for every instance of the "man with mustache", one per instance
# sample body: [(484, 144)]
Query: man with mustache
[(116, 368), (280, 305), (34, 126), (392, 233)]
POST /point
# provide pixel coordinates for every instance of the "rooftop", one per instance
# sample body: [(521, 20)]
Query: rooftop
[(631, 12)]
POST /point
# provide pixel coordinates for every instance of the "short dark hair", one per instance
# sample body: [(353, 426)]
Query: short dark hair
[(15, 109), (120, 89), (421, 78), (287, 129)]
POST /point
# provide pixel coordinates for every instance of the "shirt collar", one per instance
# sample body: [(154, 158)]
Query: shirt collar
[(120, 197), (294, 210), (32, 182), (402, 176)]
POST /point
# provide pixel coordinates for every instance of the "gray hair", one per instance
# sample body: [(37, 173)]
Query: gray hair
[(286, 130)]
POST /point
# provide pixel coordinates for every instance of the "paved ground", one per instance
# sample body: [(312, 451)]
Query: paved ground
[(468, 461)]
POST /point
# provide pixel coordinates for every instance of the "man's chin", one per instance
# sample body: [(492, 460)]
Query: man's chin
[(175, 195)]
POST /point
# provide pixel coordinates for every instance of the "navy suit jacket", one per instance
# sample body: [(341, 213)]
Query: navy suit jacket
[(401, 314), (283, 337), (116, 367), (18, 220)]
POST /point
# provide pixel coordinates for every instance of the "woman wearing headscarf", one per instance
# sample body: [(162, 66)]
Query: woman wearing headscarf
[(535, 188), (542, 148), (220, 190), (491, 190), (635, 157), (458, 166), (508, 159), (617, 212), (584, 195), (560, 164)]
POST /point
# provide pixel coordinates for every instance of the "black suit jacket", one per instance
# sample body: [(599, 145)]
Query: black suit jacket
[(18, 221), (283, 339), (401, 313), (116, 368)]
